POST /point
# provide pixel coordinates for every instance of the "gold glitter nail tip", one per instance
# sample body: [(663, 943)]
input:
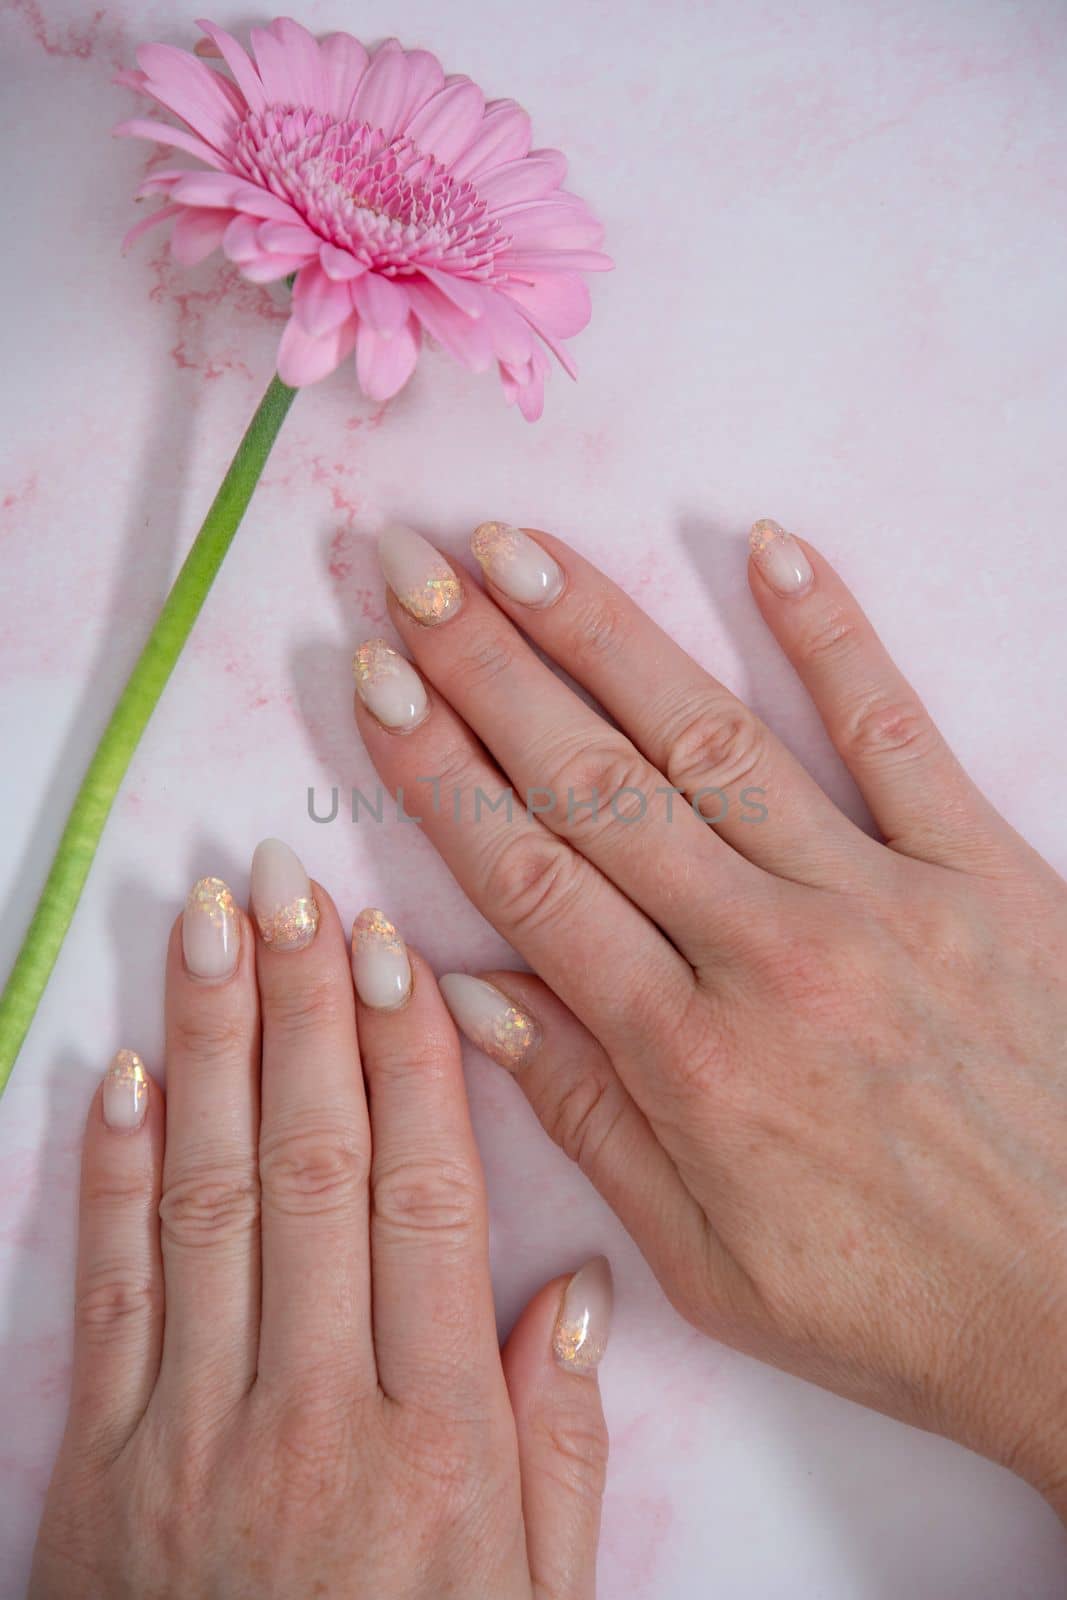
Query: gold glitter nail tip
[(282, 902), (211, 930), (583, 1325), (419, 576), (126, 1089), (490, 1020), (380, 964)]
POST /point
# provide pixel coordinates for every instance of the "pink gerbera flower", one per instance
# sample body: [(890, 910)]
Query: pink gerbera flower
[(400, 199)]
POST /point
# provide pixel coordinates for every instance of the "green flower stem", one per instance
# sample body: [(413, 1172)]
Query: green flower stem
[(146, 683)]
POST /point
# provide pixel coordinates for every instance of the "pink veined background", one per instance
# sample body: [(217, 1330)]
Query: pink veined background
[(840, 231)]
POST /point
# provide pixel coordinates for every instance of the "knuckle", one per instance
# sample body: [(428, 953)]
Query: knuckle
[(484, 657), (204, 1033), (831, 637), (722, 745), (209, 1208), (427, 1197), (104, 1307), (583, 1119), (586, 779), (308, 1006), (530, 883), (883, 727), (578, 1441), (313, 1171), (599, 631)]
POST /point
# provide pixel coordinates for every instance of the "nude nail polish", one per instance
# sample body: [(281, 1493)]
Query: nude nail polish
[(516, 564), (419, 575), (125, 1100), (779, 558), (380, 964), (282, 902), (211, 930), (389, 686), (490, 1020), (580, 1336)]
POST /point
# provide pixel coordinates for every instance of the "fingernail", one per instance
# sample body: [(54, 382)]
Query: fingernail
[(516, 564), (581, 1333), (380, 962), (282, 901), (489, 1019), (418, 575), (211, 930), (389, 686), (125, 1092), (779, 558)]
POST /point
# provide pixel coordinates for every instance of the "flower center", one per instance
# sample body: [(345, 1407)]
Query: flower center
[(392, 207)]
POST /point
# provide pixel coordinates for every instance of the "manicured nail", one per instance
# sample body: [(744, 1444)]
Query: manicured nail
[(125, 1092), (489, 1019), (581, 1333), (380, 962), (282, 901), (779, 558), (211, 930), (418, 575), (516, 564), (389, 686)]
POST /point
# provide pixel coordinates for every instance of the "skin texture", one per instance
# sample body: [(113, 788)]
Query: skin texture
[(821, 1078), (286, 1376)]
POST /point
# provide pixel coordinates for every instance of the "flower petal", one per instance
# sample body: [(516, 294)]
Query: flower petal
[(381, 303), (192, 91), (383, 92), (232, 193), (196, 234), (240, 242), (302, 58), (554, 261), (245, 74), (319, 303), (447, 123), (383, 366), (303, 359), (531, 179), (272, 63), (269, 269), (288, 239), (504, 135), (513, 339), (145, 223), (177, 138), (556, 301), (467, 339), (339, 264), (551, 225), (463, 292), (425, 77), (344, 61)]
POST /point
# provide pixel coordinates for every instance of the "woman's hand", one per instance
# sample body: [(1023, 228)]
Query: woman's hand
[(821, 1079), (286, 1373)]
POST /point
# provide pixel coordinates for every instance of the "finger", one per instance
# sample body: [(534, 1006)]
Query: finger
[(585, 1108), (118, 1322), (540, 894), (210, 1201), (434, 1327), (550, 1363), (587, 780), (919, 795), (314, 1142), (719, 756)]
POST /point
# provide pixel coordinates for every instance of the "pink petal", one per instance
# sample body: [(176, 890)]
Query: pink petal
[(192, 91), (554, 261), (562, 355), (344, 61), (381, 303), (425, 77), (550, 225), (513, 340), (339, 264), (165, 180), (279, 83), (556, 301), (196, 234), (303, 359), (245, 74), (177, 138), (531, 179), (382, 94), (289, 239), (148, 222), (235, 194), (320, 304), (463, 292), (302, 56), (467, 340), (383, 366), (240, 242), (504, 136), (448, 121), (269, 269), (130, 78)]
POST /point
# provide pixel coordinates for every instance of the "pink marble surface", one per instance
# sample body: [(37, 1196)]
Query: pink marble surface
[(840, 235)]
